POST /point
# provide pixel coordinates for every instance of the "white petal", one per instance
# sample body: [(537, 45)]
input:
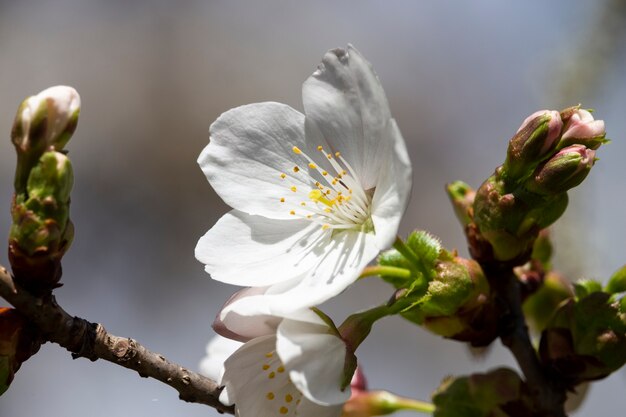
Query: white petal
[(217, 351), (244, 328), (393, 191), (346, 109), (250, 147), (341, 264), (314, 359), (257, 383), (256, 251)]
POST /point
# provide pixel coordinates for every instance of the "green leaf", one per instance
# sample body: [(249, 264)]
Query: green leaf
[(617, 282), (585, 287), (426, 246), (479, 395)]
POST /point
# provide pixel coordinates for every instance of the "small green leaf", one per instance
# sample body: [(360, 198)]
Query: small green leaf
[(426, 246), (584, 287), (617, 283)]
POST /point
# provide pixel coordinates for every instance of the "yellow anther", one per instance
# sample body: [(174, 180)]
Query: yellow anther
[(338, 192), (269, 355), (293, 213), (283, 176), (282, 199), (324, 173), (270, 396), (327, 192), (329, 156), (283, 410), (271, 375), (312, 165), (293, 188), (343, 172), (296, 150), (280, 369), (327, 210), (266, 367), (337, 154), (288, 398), (303, 204), (298, 401), (325, 227), (318, 196), (319, 148), (296, 169), (317, 183), (334, 182), (309, 216)]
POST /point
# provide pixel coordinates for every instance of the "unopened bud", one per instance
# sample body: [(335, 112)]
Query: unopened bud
[(565, 170), (534, 140), (462, 197), (46, 120), (581, 128)]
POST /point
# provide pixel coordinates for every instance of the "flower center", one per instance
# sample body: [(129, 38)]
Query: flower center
[(335, 198), (283, 396)]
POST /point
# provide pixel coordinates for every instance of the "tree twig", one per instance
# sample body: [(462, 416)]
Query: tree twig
[(548, 393), (92, 341)]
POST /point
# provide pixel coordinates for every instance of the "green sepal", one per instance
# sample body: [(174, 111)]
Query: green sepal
[(41, 216)]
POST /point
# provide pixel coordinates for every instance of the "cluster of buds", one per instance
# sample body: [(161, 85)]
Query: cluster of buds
[(447, 294), (551, 153), (41, 231), (457, 303)]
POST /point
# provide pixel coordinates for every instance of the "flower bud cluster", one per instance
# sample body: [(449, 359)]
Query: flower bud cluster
[(42, 231), (551, 153)]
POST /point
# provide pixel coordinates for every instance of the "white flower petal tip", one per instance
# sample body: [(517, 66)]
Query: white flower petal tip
[(217, 351), (315, 196)]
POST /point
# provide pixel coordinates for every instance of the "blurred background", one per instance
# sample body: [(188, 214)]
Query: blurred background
[(153, 75)]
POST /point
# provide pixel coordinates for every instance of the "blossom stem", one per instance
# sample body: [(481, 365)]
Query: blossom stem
[(380, 403), (358, 325), (404, 403), (386, 270)]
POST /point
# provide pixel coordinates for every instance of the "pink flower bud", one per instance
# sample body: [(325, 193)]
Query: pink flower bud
[(535, 139), (581, 128)]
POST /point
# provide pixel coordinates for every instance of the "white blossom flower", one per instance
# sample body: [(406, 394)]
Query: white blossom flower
[(315, 197), (296, 369)]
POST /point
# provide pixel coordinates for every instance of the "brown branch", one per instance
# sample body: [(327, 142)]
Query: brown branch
[(548, 393), (92, 341)]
